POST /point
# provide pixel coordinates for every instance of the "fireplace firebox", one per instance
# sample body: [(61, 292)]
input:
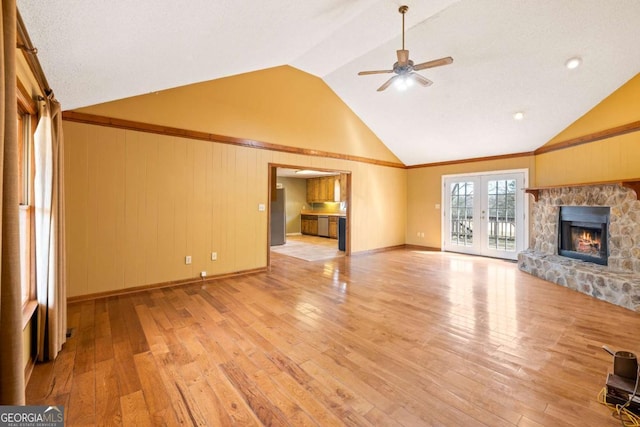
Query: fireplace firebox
[(583, 233)]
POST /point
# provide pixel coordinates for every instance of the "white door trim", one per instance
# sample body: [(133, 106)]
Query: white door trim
[(444, 230)]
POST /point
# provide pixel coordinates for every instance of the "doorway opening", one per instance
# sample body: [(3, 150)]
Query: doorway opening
[(309, 212)]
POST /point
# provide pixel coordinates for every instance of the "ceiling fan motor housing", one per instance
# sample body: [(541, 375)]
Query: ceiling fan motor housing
[(403, 69)]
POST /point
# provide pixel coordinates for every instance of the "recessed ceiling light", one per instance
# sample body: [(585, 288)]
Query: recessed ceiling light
[(573, 63), (518, 116)]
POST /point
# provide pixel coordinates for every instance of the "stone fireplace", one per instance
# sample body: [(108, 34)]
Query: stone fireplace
[(602, 241)]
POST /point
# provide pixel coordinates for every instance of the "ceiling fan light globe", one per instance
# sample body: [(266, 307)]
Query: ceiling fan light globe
[(401, 84), (408, 80)]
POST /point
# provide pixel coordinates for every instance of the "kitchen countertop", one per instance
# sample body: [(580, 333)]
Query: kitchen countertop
[(322, 213)]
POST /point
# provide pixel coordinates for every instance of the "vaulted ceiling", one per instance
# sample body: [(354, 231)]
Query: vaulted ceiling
[(509, 56)]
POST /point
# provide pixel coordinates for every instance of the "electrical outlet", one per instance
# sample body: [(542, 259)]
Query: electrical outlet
[(261, 207), (187, 259), (214, 256), (203, 274)]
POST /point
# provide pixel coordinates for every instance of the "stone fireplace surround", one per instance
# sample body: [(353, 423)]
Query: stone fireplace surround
[(619, 281)]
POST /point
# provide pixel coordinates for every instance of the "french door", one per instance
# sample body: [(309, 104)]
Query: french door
[(485, 214)]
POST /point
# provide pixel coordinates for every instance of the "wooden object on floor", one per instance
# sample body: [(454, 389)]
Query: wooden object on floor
[(404, 337)]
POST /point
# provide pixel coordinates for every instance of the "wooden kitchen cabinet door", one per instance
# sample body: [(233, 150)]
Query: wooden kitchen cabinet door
[(333, 227)]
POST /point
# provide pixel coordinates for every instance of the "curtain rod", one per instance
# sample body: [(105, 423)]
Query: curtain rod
[(24, 44)]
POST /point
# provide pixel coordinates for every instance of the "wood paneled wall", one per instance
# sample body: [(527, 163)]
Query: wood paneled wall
[(138, 203), (606, 160)]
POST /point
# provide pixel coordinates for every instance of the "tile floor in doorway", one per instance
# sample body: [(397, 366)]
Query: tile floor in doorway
[(309, 248)]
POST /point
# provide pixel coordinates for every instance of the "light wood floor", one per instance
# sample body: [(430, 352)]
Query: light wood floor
[(394, 338)]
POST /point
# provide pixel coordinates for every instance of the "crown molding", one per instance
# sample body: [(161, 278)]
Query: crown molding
[(73, 116), (592, 137)]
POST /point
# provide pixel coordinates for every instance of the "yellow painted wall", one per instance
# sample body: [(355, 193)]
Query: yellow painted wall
[(280, 105), (296, 201), (138, 203), (605, 160), (424, 191)]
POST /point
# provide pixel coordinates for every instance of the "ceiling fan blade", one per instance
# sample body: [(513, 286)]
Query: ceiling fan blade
[(434, 63), (403, 57), (387, 83), (421, 80), (364, 73)]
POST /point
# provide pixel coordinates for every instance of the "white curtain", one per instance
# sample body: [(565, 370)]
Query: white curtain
[(49, 231)]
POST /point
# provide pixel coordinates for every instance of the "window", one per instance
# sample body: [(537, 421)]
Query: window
[(26, 121)]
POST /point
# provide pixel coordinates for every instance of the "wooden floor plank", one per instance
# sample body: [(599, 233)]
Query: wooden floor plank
[(186, 409), (395, 338), (155, 393), (108, 411), (128, 379), (83, 395), (134, 410), (265, 410)]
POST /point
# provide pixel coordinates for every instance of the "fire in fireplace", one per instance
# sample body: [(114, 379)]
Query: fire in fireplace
[(586, 240), (583, 233)]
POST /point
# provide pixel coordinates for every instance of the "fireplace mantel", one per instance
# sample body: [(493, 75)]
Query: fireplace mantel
[(633, 184)]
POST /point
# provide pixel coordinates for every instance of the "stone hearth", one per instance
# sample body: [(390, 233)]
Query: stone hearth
[(617, 283)]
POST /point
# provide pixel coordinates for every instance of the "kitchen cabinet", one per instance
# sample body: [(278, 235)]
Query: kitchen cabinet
[(310, 225), (312, 190), (321, 189), (333, 227)]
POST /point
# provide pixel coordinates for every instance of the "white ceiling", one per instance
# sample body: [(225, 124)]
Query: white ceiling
[(508, 56)]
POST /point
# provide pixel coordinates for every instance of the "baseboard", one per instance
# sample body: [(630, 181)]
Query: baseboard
[(375, 251), (135, 289), (423, 248), (393, 248)]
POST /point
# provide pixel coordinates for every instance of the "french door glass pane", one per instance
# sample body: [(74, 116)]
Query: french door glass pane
[(461, 218), (501, 215)]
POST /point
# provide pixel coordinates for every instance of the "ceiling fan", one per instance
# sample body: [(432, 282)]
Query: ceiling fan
[(405, 67)]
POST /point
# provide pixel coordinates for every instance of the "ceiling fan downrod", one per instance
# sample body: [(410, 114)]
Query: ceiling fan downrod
[(403, 10)]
